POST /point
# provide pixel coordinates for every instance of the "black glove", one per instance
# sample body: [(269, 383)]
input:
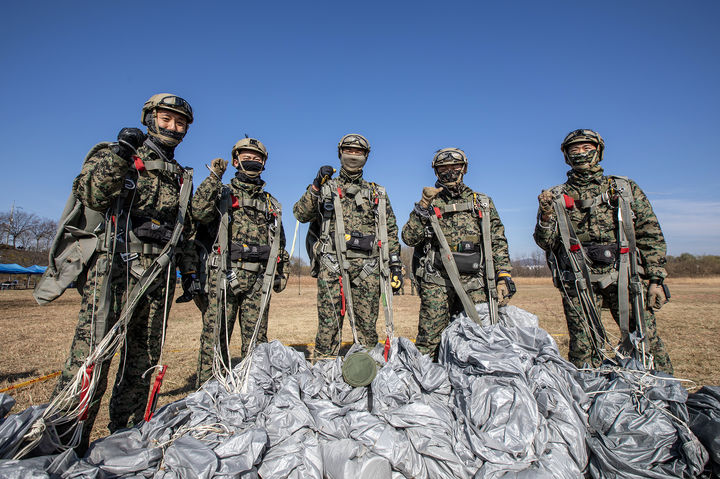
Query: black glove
[(191, 287), (129, 140), (396, 278), (324, 174)]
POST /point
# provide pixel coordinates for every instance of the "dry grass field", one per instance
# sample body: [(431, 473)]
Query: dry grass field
[(34, 340)]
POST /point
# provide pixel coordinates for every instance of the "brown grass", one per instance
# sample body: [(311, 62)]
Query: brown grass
[(35, 340)]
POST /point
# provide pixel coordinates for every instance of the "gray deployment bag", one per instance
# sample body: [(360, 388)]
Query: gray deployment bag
[(74, 245)]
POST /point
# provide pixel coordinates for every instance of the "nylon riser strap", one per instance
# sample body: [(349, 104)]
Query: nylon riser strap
[(489, 262), (340, 248), (381, 230), (630, 288), (452, 271), (582, 279)]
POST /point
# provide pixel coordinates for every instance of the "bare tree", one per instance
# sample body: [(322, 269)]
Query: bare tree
[(43, 232), (15, 224)]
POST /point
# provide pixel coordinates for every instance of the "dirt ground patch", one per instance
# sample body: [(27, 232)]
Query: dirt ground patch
[(35, 340)]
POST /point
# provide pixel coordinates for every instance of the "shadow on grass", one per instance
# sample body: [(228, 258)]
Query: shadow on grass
[(14, 377)]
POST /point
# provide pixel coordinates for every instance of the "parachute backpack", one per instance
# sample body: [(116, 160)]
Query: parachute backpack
[(74, 245)]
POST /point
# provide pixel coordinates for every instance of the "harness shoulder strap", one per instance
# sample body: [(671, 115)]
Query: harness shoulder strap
[(451, 268), (482, 203)]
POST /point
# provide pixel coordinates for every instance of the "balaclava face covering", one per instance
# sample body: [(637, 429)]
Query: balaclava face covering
[(353, 164)]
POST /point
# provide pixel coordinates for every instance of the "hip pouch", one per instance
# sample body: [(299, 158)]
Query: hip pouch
[(601, 254), (467, 263), (151, 230), (252, 252), (360, 242)]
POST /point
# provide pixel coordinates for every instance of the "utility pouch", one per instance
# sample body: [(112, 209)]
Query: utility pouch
[(360, 242), (601, 254), (252, 252), (467, 263), (150, 230)]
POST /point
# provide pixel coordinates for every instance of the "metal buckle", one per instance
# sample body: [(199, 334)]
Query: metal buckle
[(127, 257)]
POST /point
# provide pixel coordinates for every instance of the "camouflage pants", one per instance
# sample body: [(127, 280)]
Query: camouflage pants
[(581, 350), (243, 304), (437, 304), (365, 300), (141, 349)]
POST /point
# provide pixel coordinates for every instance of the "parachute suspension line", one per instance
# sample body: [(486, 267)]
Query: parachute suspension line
[(292, 249), (152, 399), (126, 239)]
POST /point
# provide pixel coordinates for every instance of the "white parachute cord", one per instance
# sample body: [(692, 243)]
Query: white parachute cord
[(127, 271), (164, 323), (292, 248)]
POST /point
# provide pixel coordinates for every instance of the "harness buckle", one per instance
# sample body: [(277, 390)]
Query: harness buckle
[(127, 257)]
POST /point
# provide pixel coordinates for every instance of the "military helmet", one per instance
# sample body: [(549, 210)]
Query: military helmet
[(167, 101), (449, 156), (250, 144), (353, 140), (583, 136)]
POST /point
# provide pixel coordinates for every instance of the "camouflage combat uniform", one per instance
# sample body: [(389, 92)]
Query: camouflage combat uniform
[(438, 302), (248, 225), (598, 226), (359, 213), (154, 195)]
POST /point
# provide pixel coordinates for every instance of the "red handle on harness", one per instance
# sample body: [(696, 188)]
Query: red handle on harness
[(569, 202), (84, 398), (342, 298), (152, 401), (386, 351), (139, 164)]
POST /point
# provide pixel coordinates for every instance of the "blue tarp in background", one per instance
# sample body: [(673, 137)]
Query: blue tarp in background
[(17, 269)]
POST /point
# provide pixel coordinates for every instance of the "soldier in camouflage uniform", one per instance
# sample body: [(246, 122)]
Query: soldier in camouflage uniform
[(360, 202), (597, 228), (136, 181), (253, 218), (461, 225)]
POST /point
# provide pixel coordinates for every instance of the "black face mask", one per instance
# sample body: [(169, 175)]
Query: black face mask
[(168, 138), (254, 180)]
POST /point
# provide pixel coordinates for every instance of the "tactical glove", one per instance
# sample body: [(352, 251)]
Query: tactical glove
[(396, 278), (129, 140), (191, 287), (324, 174), (280, 282), (545, 199), (658, 294), (218, 167), (505, 288), (428, 194)]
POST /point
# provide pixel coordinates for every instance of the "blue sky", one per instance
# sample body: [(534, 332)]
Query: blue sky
[(505, 81)]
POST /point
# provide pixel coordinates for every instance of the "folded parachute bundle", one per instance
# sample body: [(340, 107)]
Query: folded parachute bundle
[(501, 402)]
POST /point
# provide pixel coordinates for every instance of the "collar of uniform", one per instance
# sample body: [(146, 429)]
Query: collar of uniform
[(249, 188), (346, 177), (592, 176), (457, 192)]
